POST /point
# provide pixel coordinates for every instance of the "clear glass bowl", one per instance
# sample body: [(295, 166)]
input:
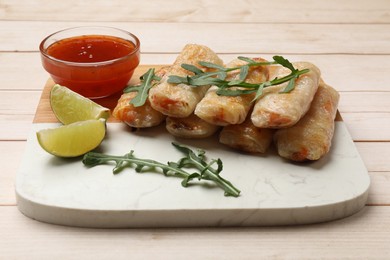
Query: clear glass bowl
[(93, 78)]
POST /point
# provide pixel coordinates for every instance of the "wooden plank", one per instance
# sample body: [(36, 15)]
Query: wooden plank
[(44, 113), (253, 38), (362, 116), (368, 126), (15, 127), (332, 11), (21, 71), (344, 72), (365, 235), (363, 127), (11, 156), (379, 193), (352, 102), (19, 102), (375, 155), (374, 102)]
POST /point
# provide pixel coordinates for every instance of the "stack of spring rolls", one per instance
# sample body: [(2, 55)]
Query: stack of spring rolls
[(300, 123)]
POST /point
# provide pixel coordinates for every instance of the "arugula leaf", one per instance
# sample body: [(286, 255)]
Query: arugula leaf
[(142, 89), (192, 68), (233, 92), (244, 73), (221, 75), (284, 62), (177, 79), (203, 81), (249, 60), (211, 65), (289, 87), (259, 91)]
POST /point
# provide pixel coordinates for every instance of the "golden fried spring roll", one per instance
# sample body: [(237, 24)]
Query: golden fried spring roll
[(246, 137), (226, 110), (179, 100), (138, 117), (277, 110), (311, 137), (190, 127)]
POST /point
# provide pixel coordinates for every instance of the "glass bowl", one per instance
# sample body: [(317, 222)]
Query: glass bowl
[(93, 61)]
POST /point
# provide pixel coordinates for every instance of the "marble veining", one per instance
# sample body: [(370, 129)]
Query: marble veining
[(273, 190)]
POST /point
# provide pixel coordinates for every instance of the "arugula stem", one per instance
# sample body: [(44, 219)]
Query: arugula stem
[(92, 157), (278, 81), (229, 88), (213, 175), (252, 64), (191, 160)]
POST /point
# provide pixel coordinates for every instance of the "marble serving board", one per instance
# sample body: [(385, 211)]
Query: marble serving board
[(274, 191)]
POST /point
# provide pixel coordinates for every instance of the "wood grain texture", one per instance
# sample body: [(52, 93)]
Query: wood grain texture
[(196, 11), (362, 116), (364, 235), (368, 126), (11, 154), (15, 127), (348, 40), (252, 38), (343, 72), (18, 103)]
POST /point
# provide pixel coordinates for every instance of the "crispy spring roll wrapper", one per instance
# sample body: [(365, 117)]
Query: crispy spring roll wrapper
[(190, 127), (138, 117), (311, 137), (277, 110), (227, 110), (246, 137), (179, 100)]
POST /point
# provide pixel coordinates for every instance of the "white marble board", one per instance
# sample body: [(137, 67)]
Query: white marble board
[(273, 191)]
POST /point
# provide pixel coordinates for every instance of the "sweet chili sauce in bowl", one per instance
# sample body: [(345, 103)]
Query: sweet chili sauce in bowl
[(93, 61)]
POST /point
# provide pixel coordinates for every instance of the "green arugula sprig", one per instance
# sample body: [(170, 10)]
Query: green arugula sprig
[(229, 88), (192, 160), (143, 88), (217, 77)]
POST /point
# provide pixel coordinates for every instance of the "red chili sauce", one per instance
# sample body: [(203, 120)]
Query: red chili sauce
[(95, 65)]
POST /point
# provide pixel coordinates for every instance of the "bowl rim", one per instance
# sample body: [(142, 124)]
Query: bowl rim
[(44, 53)]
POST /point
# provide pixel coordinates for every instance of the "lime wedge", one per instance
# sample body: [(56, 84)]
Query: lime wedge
[(69, 106), (74, 139)]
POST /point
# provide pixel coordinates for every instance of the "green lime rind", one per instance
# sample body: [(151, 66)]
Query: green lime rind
[(74, 139), (69, 106)]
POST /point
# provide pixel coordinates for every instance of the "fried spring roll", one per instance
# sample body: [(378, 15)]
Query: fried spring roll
[(276, 110), (246, 137), (179, 100), (311, 137), (138, 117), (226, 110), (190, 127)]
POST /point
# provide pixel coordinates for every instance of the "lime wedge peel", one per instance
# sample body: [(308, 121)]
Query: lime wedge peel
[(74, 139), (69, 106)]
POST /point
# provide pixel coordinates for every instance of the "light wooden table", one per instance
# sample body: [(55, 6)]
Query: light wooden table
[(349, 40)]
